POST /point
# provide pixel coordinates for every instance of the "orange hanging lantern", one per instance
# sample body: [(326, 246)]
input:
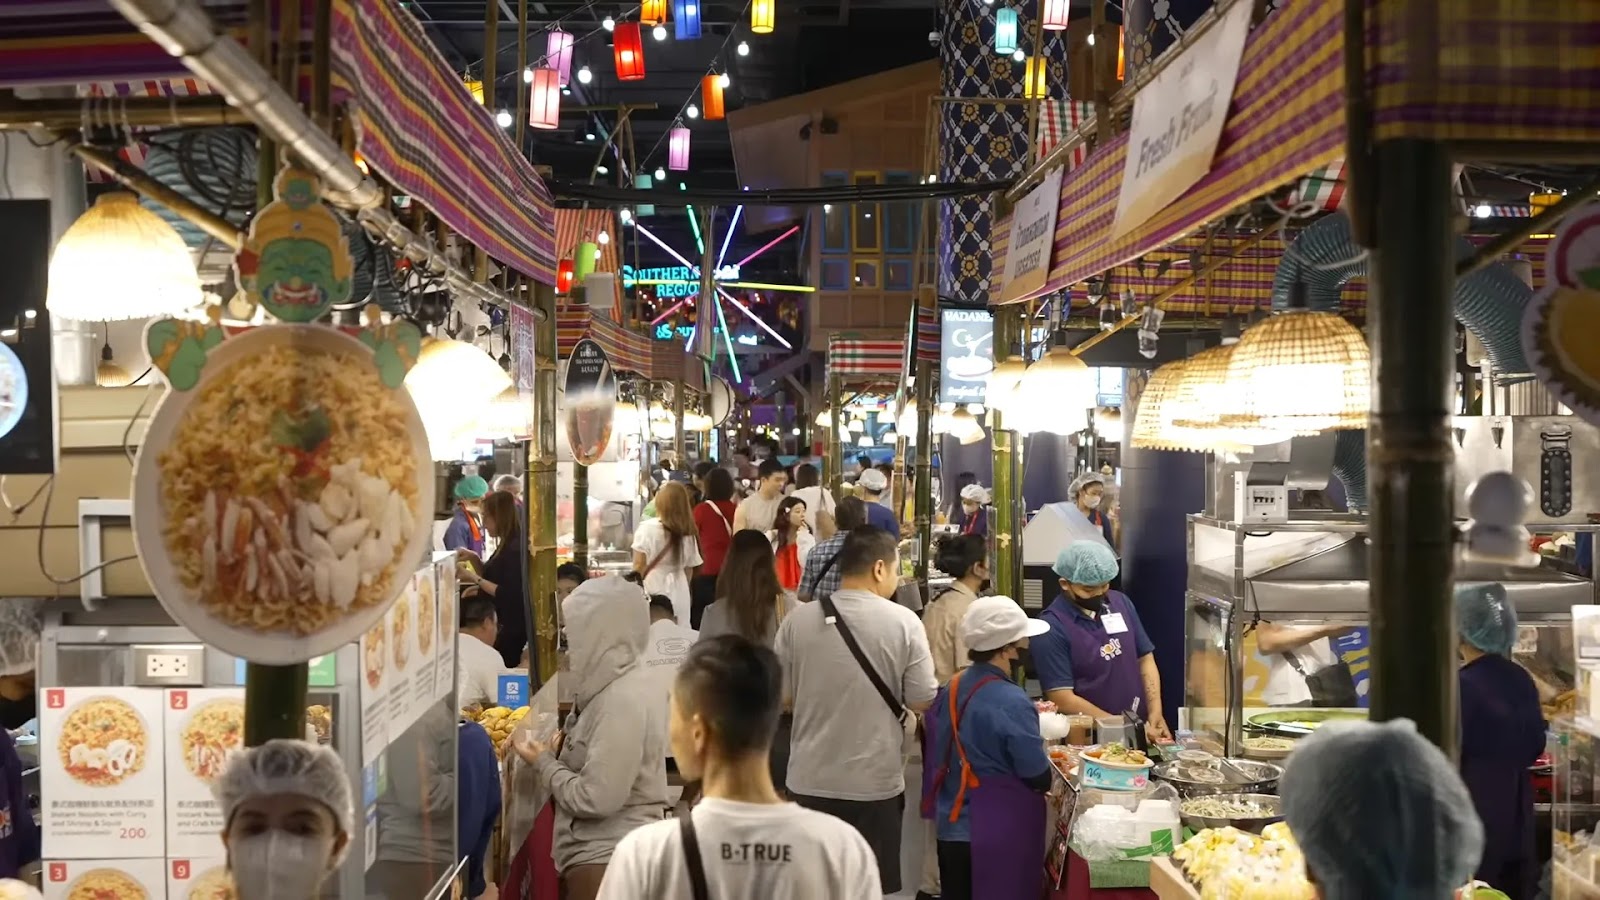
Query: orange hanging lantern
[(651, 12), (544, 99), (711, 98), (1053, 14), (628, 45), (564, 276)]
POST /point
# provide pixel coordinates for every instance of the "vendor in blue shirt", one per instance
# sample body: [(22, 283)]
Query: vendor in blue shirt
[(1096, 658), (466, 526), (873, 483), (987, 796)]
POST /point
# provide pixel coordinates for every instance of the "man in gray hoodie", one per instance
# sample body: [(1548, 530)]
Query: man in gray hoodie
[(608, 776)]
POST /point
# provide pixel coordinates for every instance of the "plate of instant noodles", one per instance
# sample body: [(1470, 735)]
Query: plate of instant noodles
[(212, 733), (103, 741), (281, 501), (214, 884), (101, 884)]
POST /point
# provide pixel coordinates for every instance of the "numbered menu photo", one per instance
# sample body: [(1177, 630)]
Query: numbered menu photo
[(101, 773), (375, 682), (203, 727), (444, 670), (105, 879), (424, 673), (402, 621), (199, 879)]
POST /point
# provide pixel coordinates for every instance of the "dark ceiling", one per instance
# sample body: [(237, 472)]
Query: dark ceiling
[(813, 45)]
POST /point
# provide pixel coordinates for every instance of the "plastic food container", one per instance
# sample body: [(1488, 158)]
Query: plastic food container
[(1113, 776)]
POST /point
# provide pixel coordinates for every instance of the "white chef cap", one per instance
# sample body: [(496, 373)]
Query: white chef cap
[(287, 767), (976, 493)]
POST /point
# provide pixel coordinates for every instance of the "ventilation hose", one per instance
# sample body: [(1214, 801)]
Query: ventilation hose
[(1489, 302)]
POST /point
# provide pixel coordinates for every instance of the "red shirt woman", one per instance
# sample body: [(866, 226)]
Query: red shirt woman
[(714, 519)]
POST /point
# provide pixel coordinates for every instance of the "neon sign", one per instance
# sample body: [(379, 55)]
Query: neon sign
[(674, 282)]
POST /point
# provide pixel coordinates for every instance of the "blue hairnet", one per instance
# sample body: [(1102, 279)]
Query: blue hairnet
[(1086, 563), (472, 487), (1380, 812), (1486, 618)]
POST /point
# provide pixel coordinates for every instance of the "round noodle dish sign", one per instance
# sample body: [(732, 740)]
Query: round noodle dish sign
[(98, 884), (103, 741), (280, 503)]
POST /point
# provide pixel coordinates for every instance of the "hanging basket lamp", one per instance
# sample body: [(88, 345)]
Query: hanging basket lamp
[(1003, 380), (452, 383), (1300, 372), (1206, 394), (1055, 393), (121, 261), (1155, 408)]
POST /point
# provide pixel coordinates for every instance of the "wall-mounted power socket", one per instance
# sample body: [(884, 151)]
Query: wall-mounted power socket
[(168, 664)]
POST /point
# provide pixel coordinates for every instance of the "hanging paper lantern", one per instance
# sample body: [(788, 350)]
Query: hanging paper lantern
[(678, 149), (644, 182), (686, 19), (558, 54), (651, 12), (1033, 84), (583, 262), (475, 88), (544, 99), (762, 14), (1005, 31), (711, 97), (564, 276), (628, 45), (1053, 14)]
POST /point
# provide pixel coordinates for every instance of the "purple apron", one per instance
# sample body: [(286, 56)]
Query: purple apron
[(1006, 825), (1105, 667)]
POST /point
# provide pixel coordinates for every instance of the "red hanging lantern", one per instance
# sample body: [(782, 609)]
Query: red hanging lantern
[(711, 98), (1053, 14), (544, 99), (564, 275), (628, 45), (651, 12)]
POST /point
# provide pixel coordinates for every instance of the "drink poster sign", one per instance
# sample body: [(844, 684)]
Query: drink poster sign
[(1178, 119), (1033, 237), (590, 402)]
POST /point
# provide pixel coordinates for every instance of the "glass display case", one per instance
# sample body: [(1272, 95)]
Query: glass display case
[(1276, 637), (1574, 786)]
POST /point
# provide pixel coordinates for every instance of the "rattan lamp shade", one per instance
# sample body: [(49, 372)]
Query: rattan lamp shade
[(1209, 398), (1301, 372), (1154, 402)]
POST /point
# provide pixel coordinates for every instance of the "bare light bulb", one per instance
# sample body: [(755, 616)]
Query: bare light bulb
[(609, 24), (661, 174), (724, 80), (1019, 56), (603, 237), (503, 119), (659, 32), (527, 75), (692, 112), (585, 76), (743, 49), (1091, 40)]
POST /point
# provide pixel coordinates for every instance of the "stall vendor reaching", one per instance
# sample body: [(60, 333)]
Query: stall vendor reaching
[(466, 524), (1096, 659)]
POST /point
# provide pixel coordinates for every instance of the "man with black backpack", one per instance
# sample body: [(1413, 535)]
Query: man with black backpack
[(856, 668)]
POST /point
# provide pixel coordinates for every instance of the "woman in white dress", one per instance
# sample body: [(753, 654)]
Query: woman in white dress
[(666, 549)]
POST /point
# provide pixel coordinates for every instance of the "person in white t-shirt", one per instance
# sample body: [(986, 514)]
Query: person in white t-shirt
[(666, 549), (666, 647), (480, 664), (743, 840)]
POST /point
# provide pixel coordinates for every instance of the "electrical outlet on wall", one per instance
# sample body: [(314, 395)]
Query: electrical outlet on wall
[(168, 664)]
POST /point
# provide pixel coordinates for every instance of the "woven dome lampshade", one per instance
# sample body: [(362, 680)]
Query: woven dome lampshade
[(1301, 372), (1055, 393), (1003, 380), (1207, 394), (452, 383), (964, 427), (1170, 395), (121, 261), (1154, 404)]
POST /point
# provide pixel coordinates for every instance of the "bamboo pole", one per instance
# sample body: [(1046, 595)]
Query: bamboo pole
[(137, 181), (543, 619), (835, 458), (491, 61), (61, 115), (1006, 534), (520, 113)]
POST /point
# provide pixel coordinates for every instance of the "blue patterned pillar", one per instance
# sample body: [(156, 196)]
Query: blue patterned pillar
[(978, 141)]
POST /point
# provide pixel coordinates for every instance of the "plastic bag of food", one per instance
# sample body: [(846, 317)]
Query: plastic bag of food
[(523, 796)]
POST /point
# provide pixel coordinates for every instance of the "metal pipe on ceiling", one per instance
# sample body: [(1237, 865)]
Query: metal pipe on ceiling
[(183, 29)]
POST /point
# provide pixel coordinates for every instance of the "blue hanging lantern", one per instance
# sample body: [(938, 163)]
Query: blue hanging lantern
[(644, 183), (686, 19), (1005, 31)]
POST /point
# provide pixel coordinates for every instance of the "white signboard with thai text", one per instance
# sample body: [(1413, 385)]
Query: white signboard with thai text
[(1178, 119), (1033, 236)]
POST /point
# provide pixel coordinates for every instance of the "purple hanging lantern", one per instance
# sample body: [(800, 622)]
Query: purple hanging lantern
[(558, 54), (678, 149)]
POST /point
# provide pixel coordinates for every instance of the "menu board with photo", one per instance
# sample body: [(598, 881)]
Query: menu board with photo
[(423, 674), (199, 879), (101, 772), (203, 728), (449, 624), (92, 879), (402, 620), (375, 681)]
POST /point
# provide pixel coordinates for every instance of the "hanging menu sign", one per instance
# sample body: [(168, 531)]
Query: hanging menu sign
[(1033, 237), (204, 727), (100, 772), (966, 354), (1178, 119), (590, 402)]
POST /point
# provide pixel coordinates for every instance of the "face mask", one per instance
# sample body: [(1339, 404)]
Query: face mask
[(1091, 502), (276, 865), (1093, 604)]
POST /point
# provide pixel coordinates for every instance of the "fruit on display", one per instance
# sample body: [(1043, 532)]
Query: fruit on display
[(499, 721), (1229, 864)]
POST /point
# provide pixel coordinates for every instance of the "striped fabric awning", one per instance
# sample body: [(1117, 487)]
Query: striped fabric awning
[(629, 351), (1286, 119), (417, 125), (853, 357), (572, 324), (1059, 118), (928, 344), (1324, 187)]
